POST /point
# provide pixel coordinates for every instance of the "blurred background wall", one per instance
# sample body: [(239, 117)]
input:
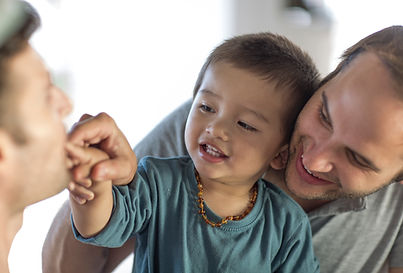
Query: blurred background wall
[(138, 61)]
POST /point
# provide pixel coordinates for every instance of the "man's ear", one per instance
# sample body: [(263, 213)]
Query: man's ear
[(280, 160), (7, 146)]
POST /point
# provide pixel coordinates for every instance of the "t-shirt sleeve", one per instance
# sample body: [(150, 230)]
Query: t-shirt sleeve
[(297, 252), (396, 255), (132, 209), (167, 138)]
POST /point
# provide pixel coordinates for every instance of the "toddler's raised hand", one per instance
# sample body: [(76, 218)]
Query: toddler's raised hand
[(82, 160)]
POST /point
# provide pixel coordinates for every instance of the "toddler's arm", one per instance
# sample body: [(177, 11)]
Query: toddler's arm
[(89, 217)]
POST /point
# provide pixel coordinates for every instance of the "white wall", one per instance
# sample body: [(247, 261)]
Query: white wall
[(138, 60)]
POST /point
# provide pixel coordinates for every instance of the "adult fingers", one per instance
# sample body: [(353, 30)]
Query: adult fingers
[(94, 130), (85, 117), (77, 154), (103, 132)]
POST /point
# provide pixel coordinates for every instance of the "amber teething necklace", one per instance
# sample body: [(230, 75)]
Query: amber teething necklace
[(202, 212)]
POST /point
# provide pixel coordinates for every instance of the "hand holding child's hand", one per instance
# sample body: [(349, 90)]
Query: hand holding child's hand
[(82, 160), (101, 130)]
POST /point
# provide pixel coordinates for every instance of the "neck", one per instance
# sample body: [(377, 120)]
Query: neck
[(10, 225), (235, 197), (277, 178)]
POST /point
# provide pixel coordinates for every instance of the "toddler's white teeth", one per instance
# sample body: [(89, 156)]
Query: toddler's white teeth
[(212, 151)]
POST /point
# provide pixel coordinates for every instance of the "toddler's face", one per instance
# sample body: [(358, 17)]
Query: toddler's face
[(235, 127)]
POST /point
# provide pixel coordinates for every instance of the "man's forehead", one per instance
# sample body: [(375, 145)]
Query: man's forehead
[(27, 67), (366, 77), (365, 109)]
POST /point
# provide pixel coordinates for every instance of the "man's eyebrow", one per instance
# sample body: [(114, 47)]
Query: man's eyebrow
[(326, 105), (367, 162)]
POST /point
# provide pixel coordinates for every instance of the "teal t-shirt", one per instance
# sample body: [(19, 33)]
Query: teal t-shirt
[(159, 207)]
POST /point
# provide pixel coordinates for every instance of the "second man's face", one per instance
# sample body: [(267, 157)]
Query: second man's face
[(347, 140)]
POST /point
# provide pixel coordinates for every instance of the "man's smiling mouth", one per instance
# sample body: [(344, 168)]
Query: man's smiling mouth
[(307, 175)]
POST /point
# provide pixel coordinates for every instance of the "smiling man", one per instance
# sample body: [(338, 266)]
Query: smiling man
[(345, 153), (348, 139)]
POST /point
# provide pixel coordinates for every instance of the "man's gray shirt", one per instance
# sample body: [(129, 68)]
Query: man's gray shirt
[(363, 235)]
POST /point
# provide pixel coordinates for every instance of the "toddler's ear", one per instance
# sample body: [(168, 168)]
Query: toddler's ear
[(280, 160)]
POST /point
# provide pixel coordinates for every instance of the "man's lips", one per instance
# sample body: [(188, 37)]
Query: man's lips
[(306, 175), (211, 153)]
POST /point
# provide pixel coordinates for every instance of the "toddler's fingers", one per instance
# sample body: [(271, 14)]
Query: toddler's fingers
[(77, 199), (80, 191)]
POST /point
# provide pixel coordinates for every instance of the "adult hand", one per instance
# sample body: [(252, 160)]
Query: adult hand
[(101, 131)]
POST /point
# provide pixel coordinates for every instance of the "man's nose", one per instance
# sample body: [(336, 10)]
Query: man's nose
[(220, 129), (319, 158), (63, 103)]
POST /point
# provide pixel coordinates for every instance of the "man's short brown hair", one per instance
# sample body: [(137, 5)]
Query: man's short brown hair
[(387, 44), (9, 48)]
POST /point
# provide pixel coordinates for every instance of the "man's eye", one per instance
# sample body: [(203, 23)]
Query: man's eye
[(246, 126), (206, 108), (358, 161), (323, 116)]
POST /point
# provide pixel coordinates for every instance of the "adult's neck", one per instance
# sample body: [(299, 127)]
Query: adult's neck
[(277, 178), (10, 224)]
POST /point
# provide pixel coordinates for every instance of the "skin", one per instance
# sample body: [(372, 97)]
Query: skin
[(233, 135), (321, 143), (36, 169), (42, 108), (350, 145)]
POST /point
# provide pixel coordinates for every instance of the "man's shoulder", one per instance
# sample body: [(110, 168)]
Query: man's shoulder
[(387, 198)]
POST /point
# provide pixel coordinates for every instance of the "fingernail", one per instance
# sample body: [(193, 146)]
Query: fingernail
[(70, 186), (90, 196)]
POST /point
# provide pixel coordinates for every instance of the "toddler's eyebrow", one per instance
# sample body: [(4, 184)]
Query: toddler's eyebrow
[(208, 92), (258, 115), (252, 111)]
